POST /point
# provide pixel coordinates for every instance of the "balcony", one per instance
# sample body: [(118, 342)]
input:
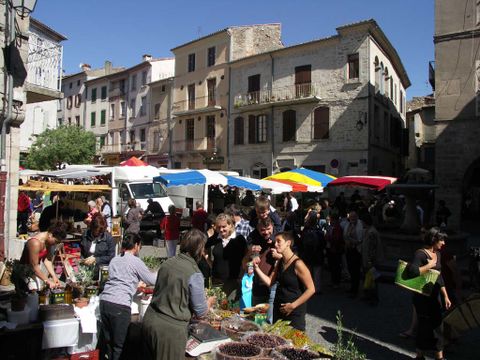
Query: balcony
[(120, 148), (205, 144), (43, 70), (116, 91), (196, 105), (283, 95)]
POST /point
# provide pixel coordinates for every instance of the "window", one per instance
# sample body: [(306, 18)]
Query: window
[(78, 82), (112, 111), (103, 116), (211, 85), (132, 136), (387, 85), (382, 79), (78, 100), (134, 82), (101, 141), (257, 129), (303, 80), (321, 123), (103, 93), (70, 85), (123, 108), (211, 56), (69, 120), (353, 66), (143, 106), (60, 121), (189, 134), (142, 135), (157, 111), (289, 125), (191, 62), (376, 64), (401, 101), (133, 109), (144, 78), (69, 102), (238, 131), (122, 86), (259, 172), (395, 95), (92, 119), (156, 140), (210, 131), (191, 97), (391, 87), (254, 88), (163, 88), (77, 120), (94, 95)]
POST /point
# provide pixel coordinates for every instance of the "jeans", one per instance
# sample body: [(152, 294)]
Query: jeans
[(115, 322), (273, 291), (171, 246)]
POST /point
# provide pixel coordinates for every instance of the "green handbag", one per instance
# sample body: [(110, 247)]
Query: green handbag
[(422, 284)]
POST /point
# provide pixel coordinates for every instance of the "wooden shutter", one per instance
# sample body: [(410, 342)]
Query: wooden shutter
[(303, 74), (254, 83), (239, 131), (251, 129), (289, 125), (321, 123)]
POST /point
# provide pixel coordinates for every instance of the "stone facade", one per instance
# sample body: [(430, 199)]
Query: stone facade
[(201, 88), (299, 83), (457, 89)]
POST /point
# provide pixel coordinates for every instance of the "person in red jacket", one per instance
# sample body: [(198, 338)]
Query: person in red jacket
[(170, 226), (199, 218), (23, 212)]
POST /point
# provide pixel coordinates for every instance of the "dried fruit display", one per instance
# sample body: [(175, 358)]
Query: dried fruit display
[(237, 351), (299, 354), (265, 341), (236, 327)]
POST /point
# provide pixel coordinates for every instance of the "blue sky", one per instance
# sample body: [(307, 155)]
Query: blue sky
[(123, 30)]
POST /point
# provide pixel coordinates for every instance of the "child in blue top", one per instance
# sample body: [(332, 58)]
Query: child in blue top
[(247, 283)]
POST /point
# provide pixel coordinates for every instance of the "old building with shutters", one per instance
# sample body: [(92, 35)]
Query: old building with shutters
[(200, 92), (335, 105)]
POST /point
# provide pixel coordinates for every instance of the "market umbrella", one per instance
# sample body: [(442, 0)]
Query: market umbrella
[(273, 186), (133, 161), (312, 181), (370, 182)]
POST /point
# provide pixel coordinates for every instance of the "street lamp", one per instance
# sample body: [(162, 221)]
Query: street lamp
[(24, 7)]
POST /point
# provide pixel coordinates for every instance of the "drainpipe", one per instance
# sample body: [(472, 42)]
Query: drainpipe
[(227, 115), (272, 72), (169, 124)]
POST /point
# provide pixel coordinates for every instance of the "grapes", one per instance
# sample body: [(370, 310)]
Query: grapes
[(235, 350)]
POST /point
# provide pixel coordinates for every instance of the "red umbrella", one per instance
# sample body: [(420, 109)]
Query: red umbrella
[(371, 182), (133, 161)]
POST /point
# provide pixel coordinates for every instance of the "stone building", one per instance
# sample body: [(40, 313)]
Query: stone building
[(421, 133), (130, 112), (335, 105), (43, 83), (201, 87), (457, 104)]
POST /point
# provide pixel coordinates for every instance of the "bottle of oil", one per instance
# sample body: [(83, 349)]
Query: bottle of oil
[(68, 294)]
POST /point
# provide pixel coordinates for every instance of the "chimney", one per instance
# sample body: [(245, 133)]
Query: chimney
[(85, 67), (108, 67), (146, 57)]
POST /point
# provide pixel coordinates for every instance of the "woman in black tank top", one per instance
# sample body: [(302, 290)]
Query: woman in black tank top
[(295, 284)]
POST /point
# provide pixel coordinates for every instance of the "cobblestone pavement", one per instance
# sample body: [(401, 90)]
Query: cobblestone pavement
[(374, 329)]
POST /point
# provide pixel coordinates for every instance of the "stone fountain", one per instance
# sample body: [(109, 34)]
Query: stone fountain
[(402, 242)]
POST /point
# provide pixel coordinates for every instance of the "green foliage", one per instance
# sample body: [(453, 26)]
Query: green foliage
[(85, 274), (345, 349), (153, 262), (18, 275), (70, 144)]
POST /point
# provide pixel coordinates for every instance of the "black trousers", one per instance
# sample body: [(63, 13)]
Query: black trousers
[(335, 265), (115, 322), (354, 263)]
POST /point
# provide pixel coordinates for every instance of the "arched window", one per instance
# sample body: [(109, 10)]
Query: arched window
[(289, 125), (239, 131), (387, 84), (321, 123), (377, 74)]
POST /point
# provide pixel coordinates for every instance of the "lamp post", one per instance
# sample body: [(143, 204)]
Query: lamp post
[(23, 8)]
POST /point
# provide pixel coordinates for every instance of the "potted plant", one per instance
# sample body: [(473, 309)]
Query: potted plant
[(85, 282), (19, 273)]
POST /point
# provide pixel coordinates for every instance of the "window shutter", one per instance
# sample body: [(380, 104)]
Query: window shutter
[(239, 131), (289, 125), (321, 123), (251, 129)]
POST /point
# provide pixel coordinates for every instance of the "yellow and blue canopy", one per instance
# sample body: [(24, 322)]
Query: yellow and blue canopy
[(312, 180)]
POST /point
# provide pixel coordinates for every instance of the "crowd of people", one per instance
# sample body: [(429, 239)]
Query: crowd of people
[(255, 257)]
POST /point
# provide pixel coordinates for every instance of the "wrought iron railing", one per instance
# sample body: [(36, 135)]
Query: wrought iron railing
[(280, 94), (196, 103), (200, 144)]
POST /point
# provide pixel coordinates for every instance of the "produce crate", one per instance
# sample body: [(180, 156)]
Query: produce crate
[(88, 355)]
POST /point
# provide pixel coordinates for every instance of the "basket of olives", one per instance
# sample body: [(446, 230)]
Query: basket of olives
[(266, 342), (237, 351)]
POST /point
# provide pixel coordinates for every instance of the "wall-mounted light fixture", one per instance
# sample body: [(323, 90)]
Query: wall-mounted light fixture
[(362, 120), (24, 7)]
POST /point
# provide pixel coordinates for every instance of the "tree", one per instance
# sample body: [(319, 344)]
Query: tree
[(70, 144)]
